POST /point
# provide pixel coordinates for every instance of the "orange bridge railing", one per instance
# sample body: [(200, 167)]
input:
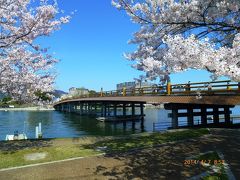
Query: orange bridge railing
[(199, 88)]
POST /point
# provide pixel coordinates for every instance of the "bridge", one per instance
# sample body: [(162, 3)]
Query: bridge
[(204, 99)]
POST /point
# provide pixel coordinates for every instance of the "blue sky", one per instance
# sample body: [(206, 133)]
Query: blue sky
[(91, 47)]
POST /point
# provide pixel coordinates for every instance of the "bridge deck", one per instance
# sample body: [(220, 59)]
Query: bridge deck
[(215, 93), (217, 99)]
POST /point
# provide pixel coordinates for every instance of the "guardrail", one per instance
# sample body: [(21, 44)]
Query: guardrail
[(199, 88)]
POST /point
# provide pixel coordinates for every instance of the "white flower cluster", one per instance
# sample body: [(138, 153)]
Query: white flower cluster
[(184, 53), (180, 35), (24, 72), (25, 67)]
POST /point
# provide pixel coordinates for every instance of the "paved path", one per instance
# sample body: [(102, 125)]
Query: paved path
[(164, 162)]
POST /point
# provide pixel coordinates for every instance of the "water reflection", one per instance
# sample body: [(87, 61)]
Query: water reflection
[(57, 124), (91, 126)]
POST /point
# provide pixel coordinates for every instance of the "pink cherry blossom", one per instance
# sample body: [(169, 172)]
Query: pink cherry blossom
[(176, 36), (25, 67)]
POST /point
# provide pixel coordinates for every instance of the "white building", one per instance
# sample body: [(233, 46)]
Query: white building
[(131, 85), (127, 85), (78, 91)]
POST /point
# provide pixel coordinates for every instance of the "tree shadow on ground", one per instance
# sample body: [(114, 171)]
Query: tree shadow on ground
[(158, 163), (167, 161), (229, 145), (12, 146)]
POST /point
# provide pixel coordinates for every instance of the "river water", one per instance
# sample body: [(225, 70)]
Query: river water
[(57, 124)]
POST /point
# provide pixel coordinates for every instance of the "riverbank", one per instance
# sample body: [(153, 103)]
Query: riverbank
[(178, 158), (36, 108), (16, 153)]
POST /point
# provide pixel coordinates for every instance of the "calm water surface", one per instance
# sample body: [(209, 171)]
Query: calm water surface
[(57, 124)]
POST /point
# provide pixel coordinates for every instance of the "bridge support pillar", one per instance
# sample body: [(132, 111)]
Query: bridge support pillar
[(105, 110), (141, 109), (108, 110), (227, 113), (69, 107), (102, 109), (142, 116), (81, 108), (190, 116), (142, 123), (215, 115), (75, 107), (133, 114), (114, 109), (203, 115), (95, 108), (124, 109), (174, 118), (133, 109), (88, 108)]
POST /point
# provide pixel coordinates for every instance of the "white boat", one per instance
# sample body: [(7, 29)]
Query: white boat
[(16, 136), (102, 119)]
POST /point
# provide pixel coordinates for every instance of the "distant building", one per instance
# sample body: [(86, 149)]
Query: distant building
[(78, 91), (65, 96), (128, 85), (131, 85), (143, 84), (72, 90), (75, 92)]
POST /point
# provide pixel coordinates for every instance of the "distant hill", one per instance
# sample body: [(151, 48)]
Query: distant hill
[(58, 93)]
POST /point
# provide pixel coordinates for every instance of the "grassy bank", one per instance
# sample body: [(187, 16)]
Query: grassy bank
[(17, 157), (13, 153)]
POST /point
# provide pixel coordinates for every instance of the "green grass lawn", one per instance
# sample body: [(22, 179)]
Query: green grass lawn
[(16, 158), (13, 153)]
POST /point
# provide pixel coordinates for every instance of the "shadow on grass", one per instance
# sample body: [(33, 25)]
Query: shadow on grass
[(130, 143), (167, 162), (13, 146)]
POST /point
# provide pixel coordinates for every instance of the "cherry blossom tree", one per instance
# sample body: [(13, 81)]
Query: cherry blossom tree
[(26, 67), (179, 35)]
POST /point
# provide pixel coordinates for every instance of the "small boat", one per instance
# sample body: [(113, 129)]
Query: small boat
[(101, 119), (16, 136)]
